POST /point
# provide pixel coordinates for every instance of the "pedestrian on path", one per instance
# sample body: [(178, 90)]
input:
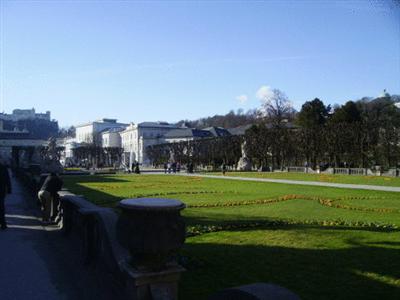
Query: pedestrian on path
[(223, 169), (165, 168), (5, 188), (48, 196), (137, 169)]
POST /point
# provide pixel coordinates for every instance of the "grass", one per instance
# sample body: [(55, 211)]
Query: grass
[(72, 169), (335, 178), (322, 243)]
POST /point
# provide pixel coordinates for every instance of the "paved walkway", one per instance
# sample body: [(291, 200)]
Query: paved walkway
[(312, 183), (38, 262)]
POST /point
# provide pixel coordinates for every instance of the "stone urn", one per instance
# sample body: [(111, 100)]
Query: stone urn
[(152, 229)]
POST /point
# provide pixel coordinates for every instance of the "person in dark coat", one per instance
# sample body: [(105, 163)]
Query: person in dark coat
[(137, 169), (5, 188), (165, 168), (48, 196), (223, 169)]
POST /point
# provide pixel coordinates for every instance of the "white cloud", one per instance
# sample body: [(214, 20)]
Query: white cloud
[(242, 99), (264, 93)]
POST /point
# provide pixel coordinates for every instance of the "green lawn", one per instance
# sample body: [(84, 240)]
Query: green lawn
[(322, 243), (337, 178)]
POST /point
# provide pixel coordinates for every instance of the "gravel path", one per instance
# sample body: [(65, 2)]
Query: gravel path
[(311, 183)]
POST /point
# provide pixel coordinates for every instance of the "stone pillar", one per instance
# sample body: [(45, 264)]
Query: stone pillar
[(153, 231)]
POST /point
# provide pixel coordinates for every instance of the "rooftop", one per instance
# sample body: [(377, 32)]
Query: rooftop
[(157, 124), (218, 131), (102, 121), (115, 129), (188, 133)]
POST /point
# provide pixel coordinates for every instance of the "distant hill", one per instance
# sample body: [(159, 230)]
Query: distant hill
[(229, 120)]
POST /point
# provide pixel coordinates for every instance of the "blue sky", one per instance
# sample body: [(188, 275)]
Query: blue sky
[(172, 60)]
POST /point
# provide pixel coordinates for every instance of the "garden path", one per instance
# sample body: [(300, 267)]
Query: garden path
[(311, 183), (38, 262)]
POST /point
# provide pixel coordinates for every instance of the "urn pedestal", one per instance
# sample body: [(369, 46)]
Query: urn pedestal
[(152, 229)]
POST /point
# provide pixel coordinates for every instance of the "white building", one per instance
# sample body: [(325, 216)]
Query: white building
[(91, 132), (136, 137), (111, 138)]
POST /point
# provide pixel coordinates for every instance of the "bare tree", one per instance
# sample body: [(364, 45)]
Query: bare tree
[(277, 108)]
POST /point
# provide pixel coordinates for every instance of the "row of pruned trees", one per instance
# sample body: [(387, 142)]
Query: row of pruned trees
[(91, 155), (200, 152)]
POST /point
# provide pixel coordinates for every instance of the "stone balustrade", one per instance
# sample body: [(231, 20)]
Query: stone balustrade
[(135, 248)]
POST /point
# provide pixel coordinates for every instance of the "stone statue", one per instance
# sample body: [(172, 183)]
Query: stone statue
[(244, 163), (171, 156), (51, 158)]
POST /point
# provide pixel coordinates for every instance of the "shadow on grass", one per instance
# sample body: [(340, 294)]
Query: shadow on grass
[(273, 224), (387, 243), (357, 272), (74, 179), (74, 185)]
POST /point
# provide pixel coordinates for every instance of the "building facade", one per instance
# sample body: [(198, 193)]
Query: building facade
[(136, 137), (90, 133), (111, 138)]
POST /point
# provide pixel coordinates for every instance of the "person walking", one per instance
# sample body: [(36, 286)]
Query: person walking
[(48, 196), (223, 169), (5, 188), (165, 168), (137, 169)]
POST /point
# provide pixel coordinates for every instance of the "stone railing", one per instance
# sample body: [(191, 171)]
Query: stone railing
[(297, 169), (350, 171), (134, 249), (393, 172), (301, 170)]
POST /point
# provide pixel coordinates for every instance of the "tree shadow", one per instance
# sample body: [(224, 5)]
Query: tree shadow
[(93, 195), (356, 272), (251, 223)]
